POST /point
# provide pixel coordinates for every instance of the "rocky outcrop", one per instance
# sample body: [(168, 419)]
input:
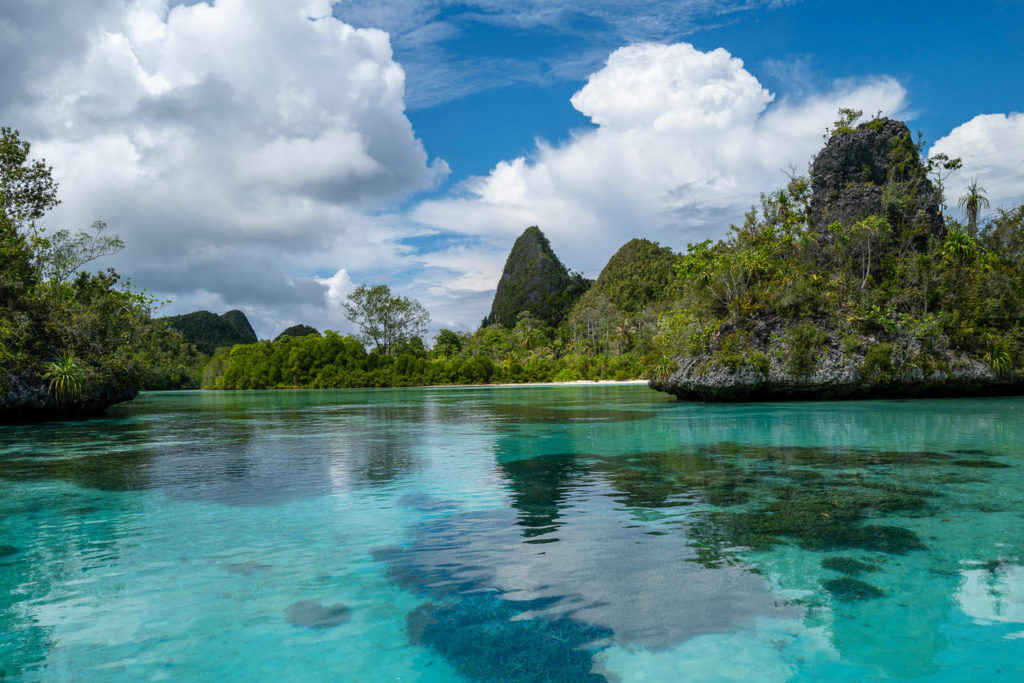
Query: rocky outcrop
[(534, 281), (850, 174), (767, 373), (209, 331), (837, 377), (27, 397)]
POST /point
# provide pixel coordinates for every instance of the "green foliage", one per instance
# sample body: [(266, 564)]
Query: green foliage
[(999, 356), (641, 274), (735, 351), (86, 336), (168, 360), (298, 331), (64, 254), (663, 368), (878, 366), (492, 355), (619, 312), (806, 343), (448, 343), (27, 188), (903, 297), (534, 280), (972, 203), (66, 374), (384, 319), (237, 320), (845, 123)]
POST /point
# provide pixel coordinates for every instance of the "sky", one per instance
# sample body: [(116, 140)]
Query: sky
[(270, 155)]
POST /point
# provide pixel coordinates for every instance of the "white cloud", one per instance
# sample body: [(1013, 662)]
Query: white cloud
[(686, 141), (424, 30), (992, 149), (339, 286), (236, 145)]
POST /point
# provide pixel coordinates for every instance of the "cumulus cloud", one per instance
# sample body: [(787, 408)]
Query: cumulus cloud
[(685, 142), (240, 147), (423, 30), (992, 149)]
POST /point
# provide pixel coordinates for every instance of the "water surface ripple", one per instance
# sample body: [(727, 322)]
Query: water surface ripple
[(527, 534)]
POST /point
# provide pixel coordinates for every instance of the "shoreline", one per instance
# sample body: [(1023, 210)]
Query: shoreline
[(573, 383)]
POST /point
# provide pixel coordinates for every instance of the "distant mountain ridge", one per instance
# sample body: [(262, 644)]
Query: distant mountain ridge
[(208, 331), (298, 331)]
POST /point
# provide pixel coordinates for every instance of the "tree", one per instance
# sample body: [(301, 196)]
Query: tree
[(527, 330), (972, 203), (384, 319), (447, 343), (27, 188), (624, 331), (67, 254)]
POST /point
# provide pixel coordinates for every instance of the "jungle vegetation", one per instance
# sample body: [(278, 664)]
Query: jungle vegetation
[(70, 339), (906, 289), (810, 270)]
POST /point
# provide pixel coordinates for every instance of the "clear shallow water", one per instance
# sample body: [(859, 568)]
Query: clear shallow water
[(537, 534)]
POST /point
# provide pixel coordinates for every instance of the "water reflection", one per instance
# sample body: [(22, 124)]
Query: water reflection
[(993, 592), (566, 523)]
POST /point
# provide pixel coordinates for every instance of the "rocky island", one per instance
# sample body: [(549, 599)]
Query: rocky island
[(852, 284)]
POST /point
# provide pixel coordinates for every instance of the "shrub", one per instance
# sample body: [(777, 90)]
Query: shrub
[(806, 343), (736, 351), (878, 366)]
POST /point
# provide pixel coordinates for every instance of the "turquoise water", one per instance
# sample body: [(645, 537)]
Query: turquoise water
[(534, 534)]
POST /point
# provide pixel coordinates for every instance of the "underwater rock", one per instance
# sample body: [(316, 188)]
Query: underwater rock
[(418, 620), (8, 550), (980, 463), (847, 565), (486, 638), (312, 614), (245, 568), (848, 589)]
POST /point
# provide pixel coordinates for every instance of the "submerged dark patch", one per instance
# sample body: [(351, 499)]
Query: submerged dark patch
[(824, 519), (8, 550), (673, 478), (833, 457), (993, 464), (848, 565), (113, 471), (532, 413), (245, 568), (485, 638), (312, 614), (850, 590)]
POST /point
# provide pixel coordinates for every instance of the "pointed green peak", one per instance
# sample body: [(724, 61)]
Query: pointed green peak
[(534, 280)]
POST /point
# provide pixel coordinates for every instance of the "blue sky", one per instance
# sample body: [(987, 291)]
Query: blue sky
[(956, 59), (270, 154)]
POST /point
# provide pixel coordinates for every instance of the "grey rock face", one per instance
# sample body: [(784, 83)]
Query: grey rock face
[(849, 175), (837, 376), (28, 398)]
